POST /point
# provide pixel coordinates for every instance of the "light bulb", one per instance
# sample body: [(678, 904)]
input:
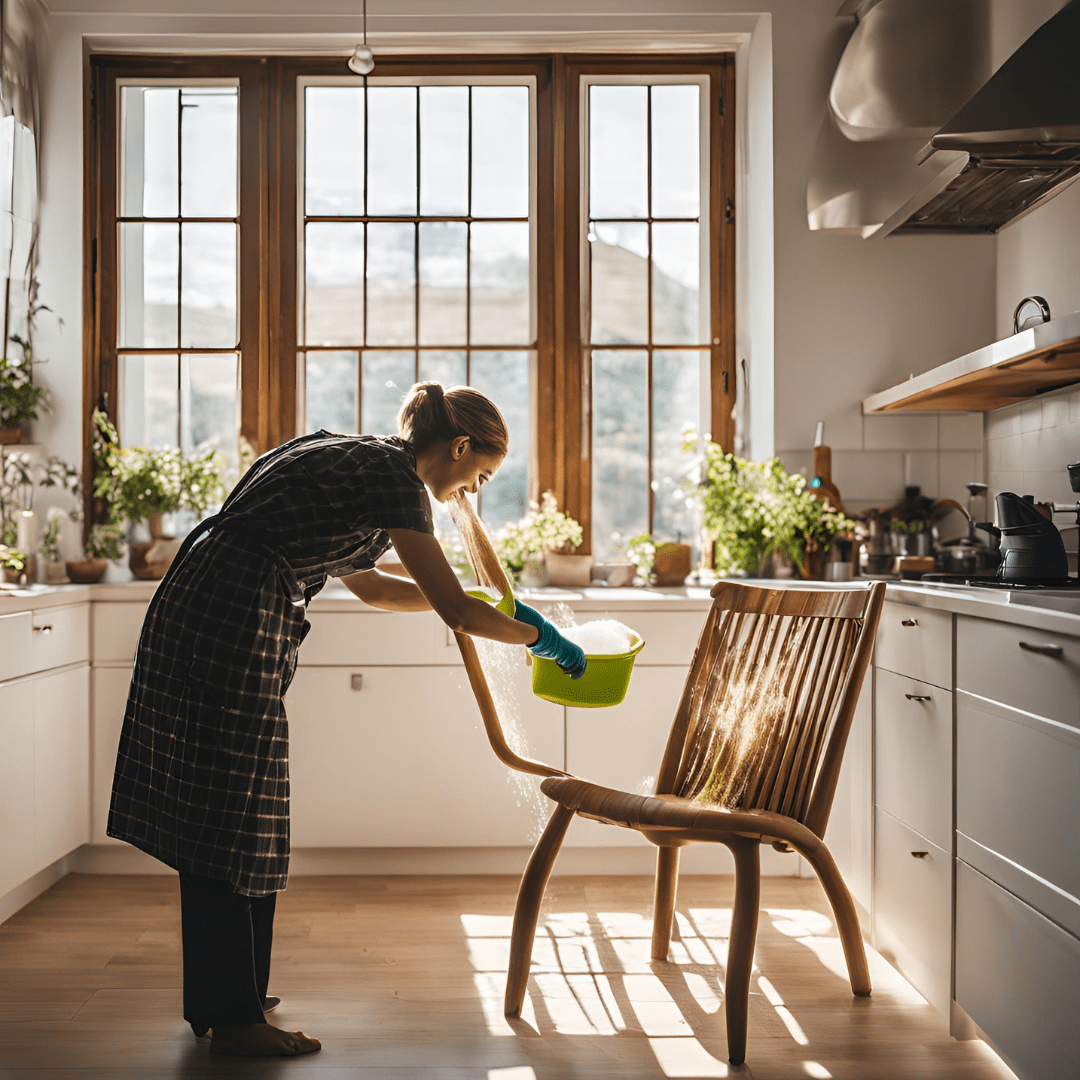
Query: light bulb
[(362, 60)]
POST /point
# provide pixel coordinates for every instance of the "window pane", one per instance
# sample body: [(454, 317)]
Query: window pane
[(676, 394), (391, 272), (210, 403), (387, 377), (500, 308), (504, 377), (331, 382), (334, 289), (443, 278), (447, 368), (676, 139), (620, 284), (444, 150), (149, 292), (208, 151), (500, 151), (676, 259), (149, 401), (334, 150), (208, 286), (392, 150), (620, 449), (149, 159), (618, 157)]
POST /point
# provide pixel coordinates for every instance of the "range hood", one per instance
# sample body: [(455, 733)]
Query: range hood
[(917, 70)]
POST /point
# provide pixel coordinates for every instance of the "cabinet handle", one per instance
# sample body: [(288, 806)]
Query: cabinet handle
[(358, 682), (46, 629), (1055, 652), (909, 622), (917, 697), (919, 854)]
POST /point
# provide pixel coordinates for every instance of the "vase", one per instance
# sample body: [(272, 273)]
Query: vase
[(9, 436), (156, 524), (86, 571), (55, 572), (149, 559), (568, 571)]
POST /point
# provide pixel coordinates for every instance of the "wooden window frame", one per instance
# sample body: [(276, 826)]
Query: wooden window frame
[(559, 454)]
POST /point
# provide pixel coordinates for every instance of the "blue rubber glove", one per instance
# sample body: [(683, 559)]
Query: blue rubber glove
[(551, 645)]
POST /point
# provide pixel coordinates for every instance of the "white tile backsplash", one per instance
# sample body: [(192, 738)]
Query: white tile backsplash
[(956, 469), (1055, 412), (900, 432), (921, 471), (960, 431), (874, 477)]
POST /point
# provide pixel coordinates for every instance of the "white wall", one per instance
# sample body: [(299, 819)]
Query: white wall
[(851, 316)]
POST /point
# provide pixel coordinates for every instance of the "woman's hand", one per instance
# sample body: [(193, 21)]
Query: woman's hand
[(550, 644)]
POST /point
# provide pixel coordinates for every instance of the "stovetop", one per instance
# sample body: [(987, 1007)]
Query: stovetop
[(1053, 586)]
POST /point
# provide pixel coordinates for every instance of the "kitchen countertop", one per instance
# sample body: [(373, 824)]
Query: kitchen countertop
[(1039, 611)]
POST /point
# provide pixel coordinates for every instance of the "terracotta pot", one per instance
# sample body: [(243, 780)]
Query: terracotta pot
[(14, 577), (142, 566), (671, 564), (573, 571), (156, 524), (11, 435), (86, 571)]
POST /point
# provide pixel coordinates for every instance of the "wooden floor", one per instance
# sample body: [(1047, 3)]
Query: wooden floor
[(402, 977)]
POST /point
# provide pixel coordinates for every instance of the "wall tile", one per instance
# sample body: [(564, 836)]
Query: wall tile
[(955, 470), (921, 470), (1058, 447), (1055, 411), (1029, 450), (1003, 455), (960, 431), (1003, 422), (1049, 487), (796, 461), (1074, 408), (900, 432), (1004, 481), (874, 478), (1031, 415)]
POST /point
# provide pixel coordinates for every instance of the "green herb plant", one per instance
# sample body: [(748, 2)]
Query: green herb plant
[(641, 550), (105, 542), (543, 528)]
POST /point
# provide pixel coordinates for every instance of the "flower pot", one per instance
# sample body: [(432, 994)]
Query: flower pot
[(156, 524), (534, 573), (149, 559), (11, 435), (671, 564), (14, 577), (86, 571), (55, 572), (568, 571)]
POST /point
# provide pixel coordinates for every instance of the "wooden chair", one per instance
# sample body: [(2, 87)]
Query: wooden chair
[(753, 757)]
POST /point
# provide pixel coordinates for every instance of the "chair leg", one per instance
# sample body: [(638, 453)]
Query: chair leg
[(527, 909), (667, 884), (847, 921), (744, 920)]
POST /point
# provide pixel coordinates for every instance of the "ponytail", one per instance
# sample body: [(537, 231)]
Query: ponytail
[(431, 415)]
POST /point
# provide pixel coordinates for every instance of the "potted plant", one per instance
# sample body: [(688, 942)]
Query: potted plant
[(20, 399), (104, 544), (13, 565), (754, 509), (640, 551), (543, 541), (49, 548)]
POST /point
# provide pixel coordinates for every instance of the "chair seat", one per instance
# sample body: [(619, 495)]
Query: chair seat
[(681, 819)]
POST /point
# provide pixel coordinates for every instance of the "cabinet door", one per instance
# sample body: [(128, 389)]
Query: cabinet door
[(402, 760), (61, 764), (917, 642), (850, 834), (621, 746), (16, 784), (110, 697)]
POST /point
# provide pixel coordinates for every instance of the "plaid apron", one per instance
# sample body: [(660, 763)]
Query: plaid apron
[(202, 770)]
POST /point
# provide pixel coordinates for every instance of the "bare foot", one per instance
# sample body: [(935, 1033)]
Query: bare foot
[(261, 1040)]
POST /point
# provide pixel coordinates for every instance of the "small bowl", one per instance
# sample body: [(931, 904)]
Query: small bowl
[(86, 571)]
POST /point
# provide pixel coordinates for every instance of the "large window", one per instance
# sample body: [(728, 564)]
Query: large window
[(277, 246)]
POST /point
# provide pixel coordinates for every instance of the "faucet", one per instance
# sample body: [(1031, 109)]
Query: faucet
[(986, 526)]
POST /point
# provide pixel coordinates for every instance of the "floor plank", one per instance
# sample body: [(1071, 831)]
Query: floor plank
[(403, 977)]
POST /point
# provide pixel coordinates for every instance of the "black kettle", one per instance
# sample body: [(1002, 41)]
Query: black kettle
[(1031, 546)]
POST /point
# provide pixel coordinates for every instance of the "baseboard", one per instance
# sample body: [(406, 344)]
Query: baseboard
[(605, 861), (32, 888)]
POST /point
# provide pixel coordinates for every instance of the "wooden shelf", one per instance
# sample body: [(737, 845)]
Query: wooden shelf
[(1040, 358)]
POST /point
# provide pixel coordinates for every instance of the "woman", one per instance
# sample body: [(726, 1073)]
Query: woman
[(202, 770)]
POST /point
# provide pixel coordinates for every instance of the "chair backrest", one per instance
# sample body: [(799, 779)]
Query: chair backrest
[(769, 699)]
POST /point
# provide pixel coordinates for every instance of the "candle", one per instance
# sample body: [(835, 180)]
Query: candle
[(24, 531)]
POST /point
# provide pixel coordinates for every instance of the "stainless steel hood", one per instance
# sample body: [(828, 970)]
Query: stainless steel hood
[(1019, 134), (917, 69)]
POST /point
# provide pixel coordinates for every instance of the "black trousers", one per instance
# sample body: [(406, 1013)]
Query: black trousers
[(227, 941)]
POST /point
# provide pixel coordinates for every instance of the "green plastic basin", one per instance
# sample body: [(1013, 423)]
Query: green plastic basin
[(604, 683)]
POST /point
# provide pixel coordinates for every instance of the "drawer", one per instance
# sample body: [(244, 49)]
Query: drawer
[(116, 631), (1016, 789), (59, 636), (913, 754), (345, 638), (1017, 975), (913, 908), (15, 634), (916, 642), (992, 661)]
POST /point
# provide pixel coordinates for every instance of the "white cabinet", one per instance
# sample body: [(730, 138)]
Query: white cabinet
[(16, 783), (850, 832), (110, 689), (61, 763), (913, 907), (621, 746), (397, 757), (917, 642)]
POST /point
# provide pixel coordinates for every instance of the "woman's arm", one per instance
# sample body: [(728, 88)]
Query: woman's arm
[(422, 556), (386, 591)]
